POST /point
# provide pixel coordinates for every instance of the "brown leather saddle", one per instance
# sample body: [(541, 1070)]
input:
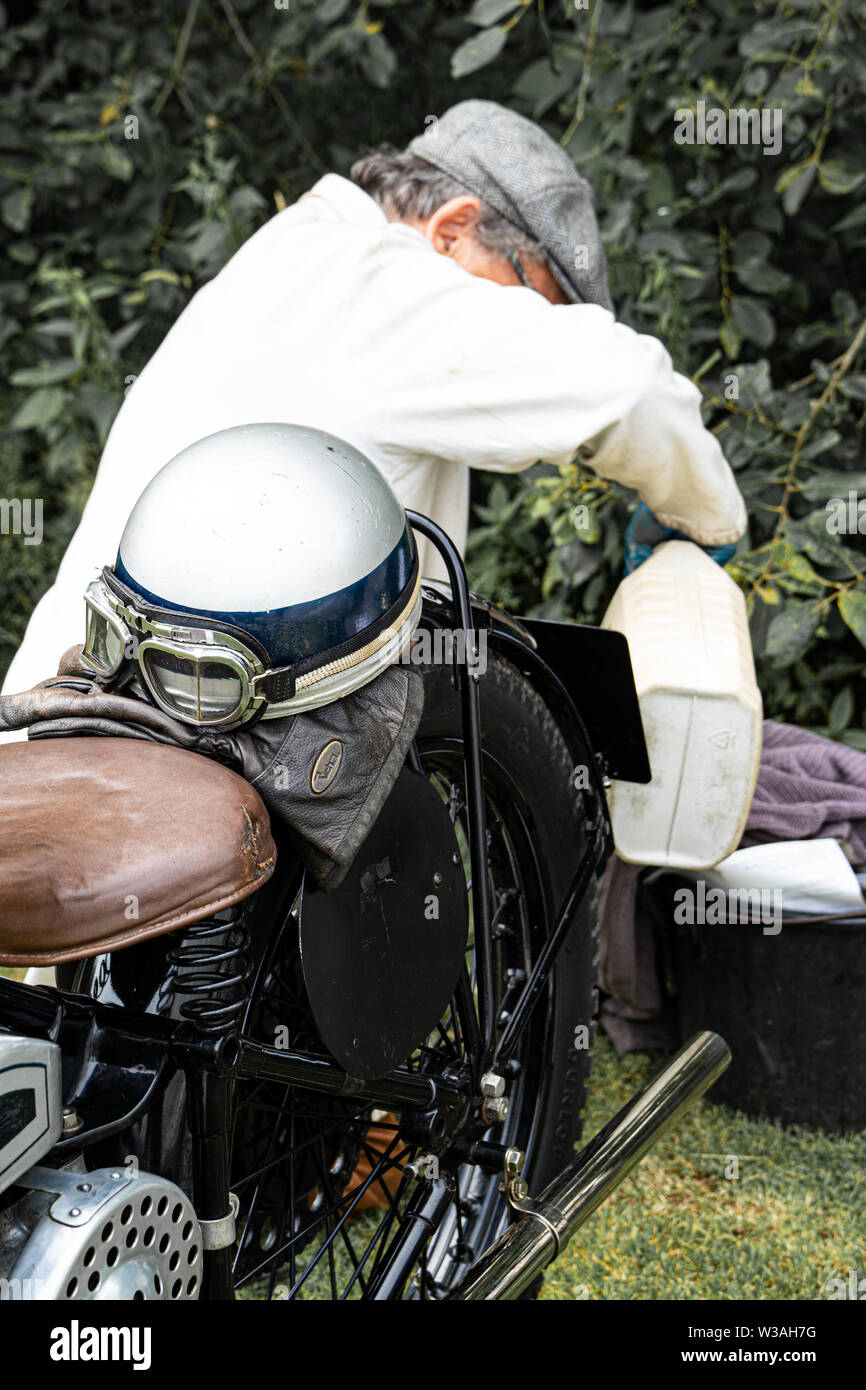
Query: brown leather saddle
[(105, 842)]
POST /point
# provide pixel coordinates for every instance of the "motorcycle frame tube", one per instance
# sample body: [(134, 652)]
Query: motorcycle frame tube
[(398, 1088), (470, 705), (593, 856), (153, 1042)]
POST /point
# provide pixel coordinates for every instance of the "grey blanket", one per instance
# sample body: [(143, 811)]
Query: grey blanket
[(808, 788)]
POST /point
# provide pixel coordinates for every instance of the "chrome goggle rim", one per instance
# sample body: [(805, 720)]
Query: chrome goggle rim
[(248, 704), (191, 644), (96, 598), (332, 681)]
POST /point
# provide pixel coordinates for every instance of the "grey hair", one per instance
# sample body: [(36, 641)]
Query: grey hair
[(405, 185)]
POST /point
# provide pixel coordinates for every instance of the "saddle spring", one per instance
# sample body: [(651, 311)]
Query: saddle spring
[(212, 967)]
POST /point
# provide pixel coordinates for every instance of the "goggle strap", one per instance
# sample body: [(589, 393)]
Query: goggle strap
[(276, 686)]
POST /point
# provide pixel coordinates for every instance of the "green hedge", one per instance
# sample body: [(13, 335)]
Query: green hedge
[(140, 145)]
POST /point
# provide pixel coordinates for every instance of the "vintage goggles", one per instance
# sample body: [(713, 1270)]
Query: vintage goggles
[(215, 675)]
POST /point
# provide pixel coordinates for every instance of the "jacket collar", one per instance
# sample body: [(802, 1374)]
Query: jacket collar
[(345, 200)]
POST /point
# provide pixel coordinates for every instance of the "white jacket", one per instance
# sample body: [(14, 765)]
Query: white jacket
[(330, 315)]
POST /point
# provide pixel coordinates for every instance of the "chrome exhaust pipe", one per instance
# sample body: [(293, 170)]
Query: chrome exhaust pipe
[(546, 1224)]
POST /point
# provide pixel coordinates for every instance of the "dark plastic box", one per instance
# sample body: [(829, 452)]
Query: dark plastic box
[(792, 1008)]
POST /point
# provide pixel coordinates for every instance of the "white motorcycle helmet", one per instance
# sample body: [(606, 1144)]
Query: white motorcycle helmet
[(266, 570)]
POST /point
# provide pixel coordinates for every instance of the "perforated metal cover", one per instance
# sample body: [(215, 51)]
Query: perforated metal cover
[(110, 1234)]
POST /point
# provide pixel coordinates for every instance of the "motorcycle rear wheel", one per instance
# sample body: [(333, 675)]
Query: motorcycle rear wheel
[(302, 1163)]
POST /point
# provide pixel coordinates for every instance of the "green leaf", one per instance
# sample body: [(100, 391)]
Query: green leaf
[(791, 631), (56, 327), (756, 81), (841, 711), (379, 61), (669, 242), (39, 409), (48, 374), (753, 319), (477, 51), (24, 252), (740, 180), (796, 566), (660, 189), (169, 276), (15, 208), (822, 546), (553, 575), (752, 248), (124, 336), (486, 12), (819, 443), (100, 406), (246, 200), (116, 162), (852, 219), (587, 526), (755, 382), (773, 38), (836, 177), (763, 279), (832, 482), (793, 185), (730, 338), (852, 606), (208, 244)]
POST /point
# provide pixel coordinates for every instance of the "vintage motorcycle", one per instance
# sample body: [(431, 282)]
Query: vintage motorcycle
[(323, 918)]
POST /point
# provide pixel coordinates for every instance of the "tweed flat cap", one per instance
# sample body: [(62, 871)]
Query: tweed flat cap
[(514, 167)]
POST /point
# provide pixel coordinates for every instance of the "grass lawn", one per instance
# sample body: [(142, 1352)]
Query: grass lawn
[(683, 1227), (679, 1228)]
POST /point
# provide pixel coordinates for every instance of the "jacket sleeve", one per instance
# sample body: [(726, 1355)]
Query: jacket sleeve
[(662, 448), (497, 377)]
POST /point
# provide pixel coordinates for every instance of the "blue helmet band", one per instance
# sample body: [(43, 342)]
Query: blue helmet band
[(199, 643), (305, 635)]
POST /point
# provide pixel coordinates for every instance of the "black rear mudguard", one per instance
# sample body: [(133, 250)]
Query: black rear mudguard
[(582, 673)]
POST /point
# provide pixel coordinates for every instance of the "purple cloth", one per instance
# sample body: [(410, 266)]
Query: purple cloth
[(635, 1012), (808, 788)]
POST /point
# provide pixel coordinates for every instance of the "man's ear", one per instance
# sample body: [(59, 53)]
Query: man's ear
[(452, 222)]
